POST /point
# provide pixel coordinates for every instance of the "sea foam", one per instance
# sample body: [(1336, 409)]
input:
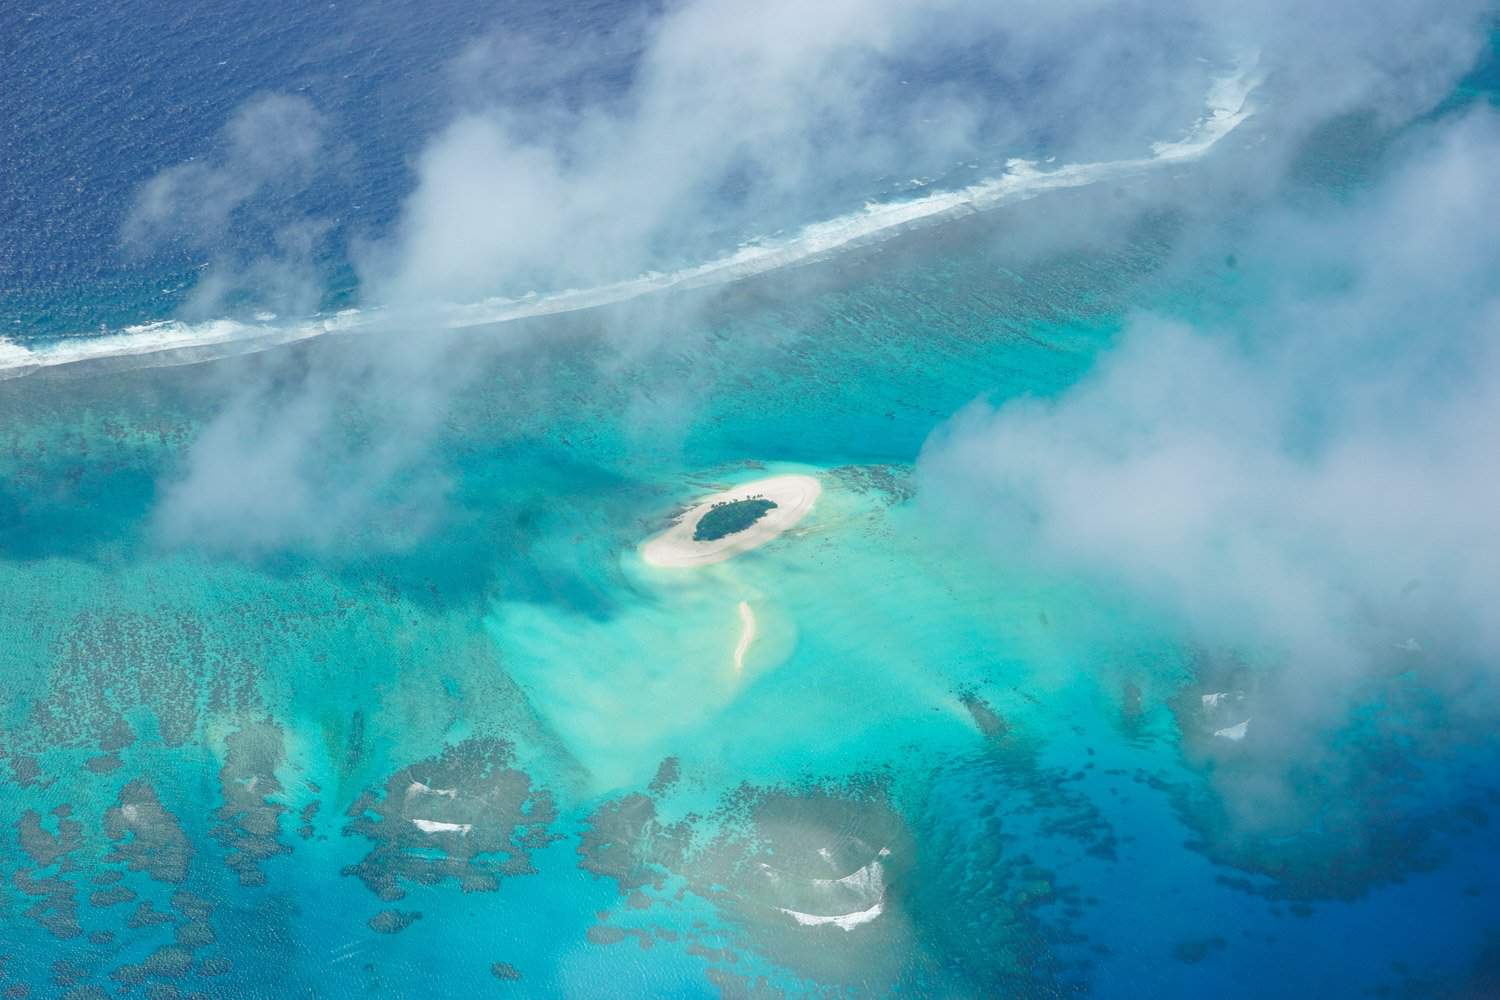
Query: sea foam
[(173, 342)]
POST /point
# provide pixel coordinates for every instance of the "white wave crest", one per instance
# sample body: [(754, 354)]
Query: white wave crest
[(867, 882), (438, 826), (843, 921), (1228, 104), (172, 342)]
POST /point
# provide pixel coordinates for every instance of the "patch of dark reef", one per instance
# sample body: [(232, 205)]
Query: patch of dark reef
[(191, 932), (990, 722), (56, 906), (146, 836), (109, 661), (505, 972), (829, 853), (1319, 815), (1001, 922), (467, 815), (1481, 978), (250, 818), (393, 921), (892, 482), (730, 517), (666, 777)]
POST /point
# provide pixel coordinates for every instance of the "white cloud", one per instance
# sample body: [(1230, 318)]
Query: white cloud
[(1318, 473), (271, 147), (655, 145), (733, 120)]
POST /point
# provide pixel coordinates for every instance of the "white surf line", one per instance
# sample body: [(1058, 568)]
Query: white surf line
[(171, 342), (1227, 106), (747, 636), (166, 343)]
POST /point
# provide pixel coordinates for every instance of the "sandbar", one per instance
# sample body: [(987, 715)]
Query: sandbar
[(675, 547), (747, 636)]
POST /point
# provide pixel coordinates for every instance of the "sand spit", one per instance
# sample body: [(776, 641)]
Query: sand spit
[(747, 636), (675, 547)]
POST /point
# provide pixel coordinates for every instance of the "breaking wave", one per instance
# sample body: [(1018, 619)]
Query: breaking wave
[(172, 342)]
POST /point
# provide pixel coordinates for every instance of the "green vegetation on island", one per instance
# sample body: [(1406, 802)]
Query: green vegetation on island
[(730, 516)]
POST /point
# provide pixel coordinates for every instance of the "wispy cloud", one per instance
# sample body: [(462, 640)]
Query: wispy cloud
[(659, 143), (272, 147), (1315, 472)]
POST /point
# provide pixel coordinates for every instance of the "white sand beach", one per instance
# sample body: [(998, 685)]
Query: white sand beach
[(675, 548)]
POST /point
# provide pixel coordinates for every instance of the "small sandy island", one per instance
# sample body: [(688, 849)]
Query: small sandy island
[(792, 496)]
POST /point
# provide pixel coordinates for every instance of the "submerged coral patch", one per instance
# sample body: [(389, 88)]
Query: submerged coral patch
[(467, 815)]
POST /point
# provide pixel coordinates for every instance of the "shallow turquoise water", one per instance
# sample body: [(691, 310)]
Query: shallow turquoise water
[(640, 815)]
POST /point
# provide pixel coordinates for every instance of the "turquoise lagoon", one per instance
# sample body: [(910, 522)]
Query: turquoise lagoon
[(214, 761)]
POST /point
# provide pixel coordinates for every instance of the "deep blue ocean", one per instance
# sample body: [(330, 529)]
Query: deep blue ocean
[(96, 103), (437, 729)]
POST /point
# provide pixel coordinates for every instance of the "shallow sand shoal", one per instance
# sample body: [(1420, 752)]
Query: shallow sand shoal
[(747, 636), (675, 547)]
